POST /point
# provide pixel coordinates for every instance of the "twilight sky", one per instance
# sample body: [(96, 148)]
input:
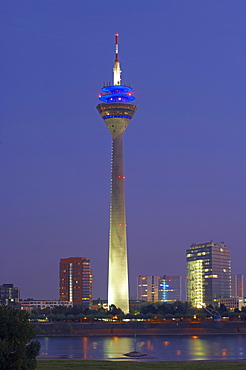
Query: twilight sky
[(185, 150)]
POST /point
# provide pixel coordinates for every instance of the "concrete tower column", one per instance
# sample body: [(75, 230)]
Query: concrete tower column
[(118, 263)]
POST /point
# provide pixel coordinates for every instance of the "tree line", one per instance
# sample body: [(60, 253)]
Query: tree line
[(145, 311)]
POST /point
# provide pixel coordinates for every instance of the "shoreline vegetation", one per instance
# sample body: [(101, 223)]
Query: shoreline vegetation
[(140, 328)]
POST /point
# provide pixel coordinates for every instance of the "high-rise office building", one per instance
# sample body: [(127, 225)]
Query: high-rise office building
[(9, 295), (237, 285), (117, 111), (148, 288), (154, 288), (171, 289), (76, 280), (208, 273)]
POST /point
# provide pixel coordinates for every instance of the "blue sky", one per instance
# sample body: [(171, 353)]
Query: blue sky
[(184, 149)]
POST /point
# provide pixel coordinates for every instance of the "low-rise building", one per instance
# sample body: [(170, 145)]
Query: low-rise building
[(232, 303), (29, 305), (99, 303)]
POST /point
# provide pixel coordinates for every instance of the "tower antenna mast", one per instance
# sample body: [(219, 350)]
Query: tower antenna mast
[(117, 71)]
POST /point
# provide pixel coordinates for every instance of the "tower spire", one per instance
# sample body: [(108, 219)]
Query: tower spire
[(117, 71)]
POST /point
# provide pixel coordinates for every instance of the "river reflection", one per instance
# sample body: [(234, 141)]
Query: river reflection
[(226, 347)]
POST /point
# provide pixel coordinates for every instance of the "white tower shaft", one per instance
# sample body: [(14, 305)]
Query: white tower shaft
[(118, 263)]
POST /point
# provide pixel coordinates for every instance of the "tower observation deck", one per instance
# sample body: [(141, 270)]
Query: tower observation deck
[(117, 110)]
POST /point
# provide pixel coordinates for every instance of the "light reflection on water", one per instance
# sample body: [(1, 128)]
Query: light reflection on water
[(226, 347), (116, 346)]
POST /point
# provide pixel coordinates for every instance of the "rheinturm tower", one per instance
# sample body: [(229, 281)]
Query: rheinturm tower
[(117, 111)]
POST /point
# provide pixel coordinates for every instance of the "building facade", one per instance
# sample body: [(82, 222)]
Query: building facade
[(76, 280), (99, 303), (117, 112), (237, 285), (9, 295), (154, 288), (232, 303), (208, 273), (30, 304)]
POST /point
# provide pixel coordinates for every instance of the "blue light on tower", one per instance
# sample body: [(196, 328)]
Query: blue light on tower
[(116, 94)]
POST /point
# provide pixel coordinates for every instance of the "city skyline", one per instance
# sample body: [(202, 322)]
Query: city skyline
[(78, 280), (185, 153)]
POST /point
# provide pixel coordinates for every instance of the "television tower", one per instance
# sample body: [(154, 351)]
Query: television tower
[(117, 111)]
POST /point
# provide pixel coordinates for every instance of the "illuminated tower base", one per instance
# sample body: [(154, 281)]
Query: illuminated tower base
[(117, 113)]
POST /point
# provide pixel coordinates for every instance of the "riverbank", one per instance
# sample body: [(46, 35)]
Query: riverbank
[(140, 328), (129, 365)]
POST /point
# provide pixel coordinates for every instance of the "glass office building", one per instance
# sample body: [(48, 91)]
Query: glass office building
[(208, 273)]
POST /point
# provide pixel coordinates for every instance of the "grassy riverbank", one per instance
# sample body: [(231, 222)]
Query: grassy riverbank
[(131, 365)]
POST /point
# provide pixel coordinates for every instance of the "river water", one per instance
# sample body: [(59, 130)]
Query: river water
[(159, 348)]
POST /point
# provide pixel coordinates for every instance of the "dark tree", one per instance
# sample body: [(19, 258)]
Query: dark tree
[(164, 308), (59, 310), (149, 308), (114, 311), (222, 308), (17, 352)]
